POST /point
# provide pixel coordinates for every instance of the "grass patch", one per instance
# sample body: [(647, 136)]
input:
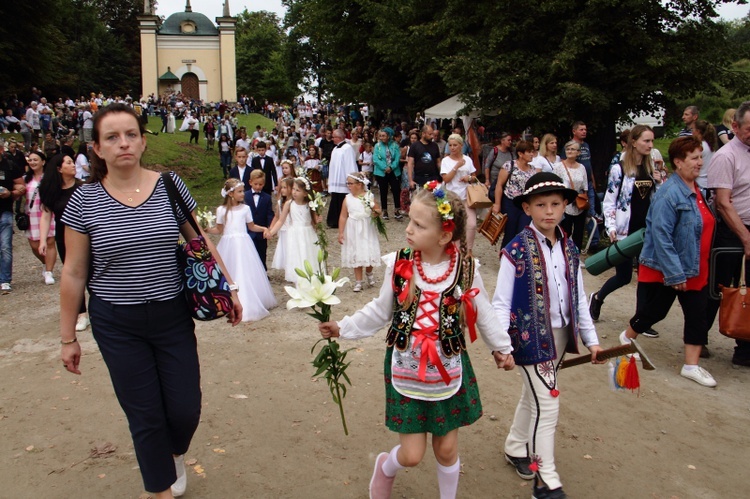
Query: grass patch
[(200, 169)]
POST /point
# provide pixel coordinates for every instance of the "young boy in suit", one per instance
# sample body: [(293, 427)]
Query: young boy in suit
[(261, 206)]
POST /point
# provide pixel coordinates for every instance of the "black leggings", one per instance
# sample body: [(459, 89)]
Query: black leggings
[(654, 300), (390, 179), (622, 277), (573, 227)]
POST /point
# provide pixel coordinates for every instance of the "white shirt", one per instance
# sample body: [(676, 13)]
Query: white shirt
[(557, 295), (455, 186)]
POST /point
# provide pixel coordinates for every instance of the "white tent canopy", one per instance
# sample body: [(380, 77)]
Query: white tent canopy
[(448, 109)]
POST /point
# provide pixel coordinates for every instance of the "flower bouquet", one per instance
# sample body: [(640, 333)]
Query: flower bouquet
[(205, 217), (368, 199), (316, 289), (317, 203)]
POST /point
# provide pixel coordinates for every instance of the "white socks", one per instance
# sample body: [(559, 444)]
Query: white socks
[(391, 465), (448, 479), (447, 475)]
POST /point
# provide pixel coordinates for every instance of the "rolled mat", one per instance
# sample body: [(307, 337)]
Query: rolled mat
[(616, 253)]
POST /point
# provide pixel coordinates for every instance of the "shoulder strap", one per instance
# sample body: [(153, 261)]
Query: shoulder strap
[(174, 196), (568, 172), (622, 180)]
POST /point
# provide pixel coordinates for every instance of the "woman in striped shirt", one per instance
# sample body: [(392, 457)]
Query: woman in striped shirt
[(120, 238)]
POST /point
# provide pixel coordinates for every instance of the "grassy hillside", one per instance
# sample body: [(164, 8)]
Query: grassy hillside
[(200, 169)]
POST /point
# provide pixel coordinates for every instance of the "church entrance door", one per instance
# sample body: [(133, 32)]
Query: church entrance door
[(190, 86)]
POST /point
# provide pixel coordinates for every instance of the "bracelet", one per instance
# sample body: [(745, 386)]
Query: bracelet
[(63, 342)]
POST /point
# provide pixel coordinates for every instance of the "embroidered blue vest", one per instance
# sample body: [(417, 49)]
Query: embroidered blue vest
[(530, 327), (451, 334)]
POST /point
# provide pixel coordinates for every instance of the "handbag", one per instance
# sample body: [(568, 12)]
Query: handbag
[(23, 221), (476, 196), (206, 288), (734, 309), (582, 199), (493, 226)]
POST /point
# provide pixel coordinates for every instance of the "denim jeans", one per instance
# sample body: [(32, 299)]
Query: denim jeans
[(6, 246)]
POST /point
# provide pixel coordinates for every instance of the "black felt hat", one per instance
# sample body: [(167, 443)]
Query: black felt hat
[(543, 183)]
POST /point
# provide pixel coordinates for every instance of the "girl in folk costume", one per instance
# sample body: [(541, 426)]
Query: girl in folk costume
[(233, 220), (431, 294), (357, 234), (300, 236), (285, 194)]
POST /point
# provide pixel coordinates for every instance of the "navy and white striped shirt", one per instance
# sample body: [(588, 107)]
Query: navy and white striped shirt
[(133, 257)]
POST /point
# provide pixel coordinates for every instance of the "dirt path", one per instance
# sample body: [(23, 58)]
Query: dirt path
[(268, 430)]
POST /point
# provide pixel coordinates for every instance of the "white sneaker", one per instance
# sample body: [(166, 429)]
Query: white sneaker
[(370, 279), (699, 375), (624, 340), (5, 288), (48, 278), (180, 485), (357, 287), (82, 323)]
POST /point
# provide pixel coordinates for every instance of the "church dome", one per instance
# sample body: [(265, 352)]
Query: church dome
[(188, 23)]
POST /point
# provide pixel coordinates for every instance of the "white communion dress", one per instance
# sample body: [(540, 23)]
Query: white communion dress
[(243, 263), (279, 256), (361, 246), (300, 241)]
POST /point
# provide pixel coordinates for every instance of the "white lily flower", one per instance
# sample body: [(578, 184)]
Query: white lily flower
[(311, 292)]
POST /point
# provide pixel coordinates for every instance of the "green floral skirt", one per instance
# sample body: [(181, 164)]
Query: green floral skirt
[(408, 415)]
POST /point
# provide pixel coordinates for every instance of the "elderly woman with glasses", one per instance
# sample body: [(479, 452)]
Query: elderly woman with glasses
[(573, 175)]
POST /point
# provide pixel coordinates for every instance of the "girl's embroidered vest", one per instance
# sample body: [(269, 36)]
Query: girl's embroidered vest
[(530, 327), (452, 340)]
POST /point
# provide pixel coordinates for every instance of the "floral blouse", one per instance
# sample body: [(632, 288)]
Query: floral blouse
[(516, 182)]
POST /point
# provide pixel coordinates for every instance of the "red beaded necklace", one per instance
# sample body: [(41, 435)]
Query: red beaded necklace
[(418, 262)]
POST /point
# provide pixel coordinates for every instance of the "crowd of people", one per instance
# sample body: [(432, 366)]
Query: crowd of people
[(431, 295)]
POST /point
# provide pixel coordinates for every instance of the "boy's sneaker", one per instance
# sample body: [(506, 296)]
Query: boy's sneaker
[(624, 340), (48, 278), (595, 307), (521, 464), (385, 215), (650, 333), (5, 288), (544, 492), (699, 375)]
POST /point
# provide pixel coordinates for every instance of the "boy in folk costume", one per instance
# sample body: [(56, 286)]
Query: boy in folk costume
[(540, 301)]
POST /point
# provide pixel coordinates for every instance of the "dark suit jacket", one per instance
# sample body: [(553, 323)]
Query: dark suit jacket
[(235, 173), (262, 214), (269, 169)]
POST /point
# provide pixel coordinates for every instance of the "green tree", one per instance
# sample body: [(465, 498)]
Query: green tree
[(264, 67), (29, 46)]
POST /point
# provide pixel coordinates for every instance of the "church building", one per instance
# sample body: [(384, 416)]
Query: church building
[(188, 53)]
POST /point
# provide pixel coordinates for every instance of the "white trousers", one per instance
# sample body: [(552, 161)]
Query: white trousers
[(533, 429)]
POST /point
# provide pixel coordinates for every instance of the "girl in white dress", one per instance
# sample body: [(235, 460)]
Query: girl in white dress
[(357, 234), (285, 194), (233, 220), (300, 235)]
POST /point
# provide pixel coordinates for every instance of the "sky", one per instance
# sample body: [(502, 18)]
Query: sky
[(214, 8)]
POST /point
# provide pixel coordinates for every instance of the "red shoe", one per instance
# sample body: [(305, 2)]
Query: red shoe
[(380, 485)]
